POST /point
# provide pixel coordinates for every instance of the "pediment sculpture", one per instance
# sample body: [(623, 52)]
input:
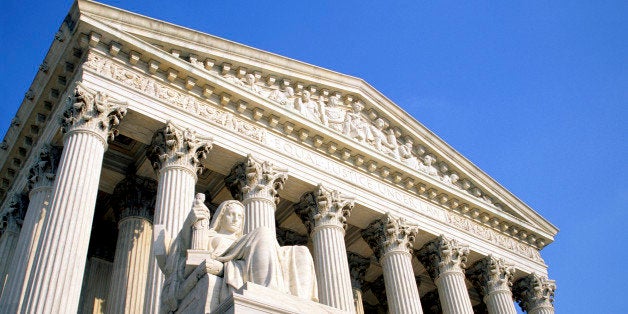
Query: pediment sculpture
[(216, 246)]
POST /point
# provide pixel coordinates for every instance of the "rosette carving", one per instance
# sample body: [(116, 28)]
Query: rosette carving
[(43, 170), (254, 178), (443, 255), (323, 207), (173, 146), (93, 111), (491, 274), (390, 234), (534, 292)]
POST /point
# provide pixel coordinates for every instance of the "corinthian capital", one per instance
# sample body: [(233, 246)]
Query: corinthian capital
[(42, 173), (491, 274), (443, 255), (134, 196), (254, 178), (324, 207), (173, 146), (389, 234), (13, 216), (93, 111), (534, 292), (357, 268)]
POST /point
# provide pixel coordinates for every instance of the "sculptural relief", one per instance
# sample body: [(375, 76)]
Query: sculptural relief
[(307, 107)]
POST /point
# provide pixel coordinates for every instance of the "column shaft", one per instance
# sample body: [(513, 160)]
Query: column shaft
[(130, 267), (175, 195), (402, 292), (542, 310), (332, 268), (452, 290), (259, 212), (8, 243), (499, 302), (97, 282), (25, 251), (57, 271)]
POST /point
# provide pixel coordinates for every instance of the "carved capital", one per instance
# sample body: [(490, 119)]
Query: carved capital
[(93, 111), (357, 269), (13, 216), (43, 170), (254, 178), (443, 255), (324, 207), (173, 146), (491, 274), (287, 237), (390, 234), (534, 292), (134, 196)]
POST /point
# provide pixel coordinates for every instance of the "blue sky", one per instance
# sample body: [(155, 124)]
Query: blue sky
[(534, 93)]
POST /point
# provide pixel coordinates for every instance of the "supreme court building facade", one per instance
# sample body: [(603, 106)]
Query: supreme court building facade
[(130, 117)]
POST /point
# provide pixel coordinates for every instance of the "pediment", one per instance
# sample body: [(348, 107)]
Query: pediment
[(331, 112)]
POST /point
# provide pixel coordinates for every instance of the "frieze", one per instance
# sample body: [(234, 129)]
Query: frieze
[(150, 86)]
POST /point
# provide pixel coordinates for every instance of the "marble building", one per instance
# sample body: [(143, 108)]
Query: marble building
[(155, 169)]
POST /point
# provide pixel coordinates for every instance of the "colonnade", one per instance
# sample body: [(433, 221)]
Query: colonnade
[(49, 257)]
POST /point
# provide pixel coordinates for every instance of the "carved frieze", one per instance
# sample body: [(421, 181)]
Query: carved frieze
[(255, 178), (443, 255), (173, 146), (491, 274), (43, 170), (534, 291), (324, 207), (390, 234), (93, 111)]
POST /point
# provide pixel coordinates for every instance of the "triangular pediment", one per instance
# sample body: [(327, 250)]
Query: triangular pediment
[(339, 114)]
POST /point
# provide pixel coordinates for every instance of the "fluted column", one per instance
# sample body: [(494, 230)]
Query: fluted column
[(256, 184), (492, 277), (134, 199), (10, 232), (41, 178), (391, 240), (535, 294), (97, 282), (357, 269), (444, 260), (325, 213), (176, 153), (57, 270)]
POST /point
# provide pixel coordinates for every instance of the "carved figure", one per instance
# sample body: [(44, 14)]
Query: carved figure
[(249, 80), (384, 140), (356, 125), (308, 107), (406, 155), (284, 98), (333, 113), (427, 166)]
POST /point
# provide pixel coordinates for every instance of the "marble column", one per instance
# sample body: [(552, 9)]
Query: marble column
[(535, 294), (41, 178), (134, 200), (391, 239), (357, 269), (492, 277), (9, 235), (444, 260), (176, 153), (57, 270), (324, 213), (256, 184), (97, 282)]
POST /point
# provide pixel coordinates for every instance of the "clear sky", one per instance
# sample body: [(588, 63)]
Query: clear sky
[(535, 93)]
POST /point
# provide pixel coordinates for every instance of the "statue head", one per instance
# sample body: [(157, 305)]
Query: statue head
[(290, 91), (229, 218), (250, 78), (306, 95)]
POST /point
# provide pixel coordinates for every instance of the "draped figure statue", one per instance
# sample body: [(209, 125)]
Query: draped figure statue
[(254, 257)]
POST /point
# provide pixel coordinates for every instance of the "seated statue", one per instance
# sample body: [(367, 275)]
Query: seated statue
[(255, 257)]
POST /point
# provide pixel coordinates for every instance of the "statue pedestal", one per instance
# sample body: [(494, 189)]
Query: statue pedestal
[(252, 298)]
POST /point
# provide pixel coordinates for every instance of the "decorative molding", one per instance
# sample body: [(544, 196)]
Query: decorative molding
[(255, 178), (443, 255), (93, 111), (324, 207), (390, 234), (173, 146), (534, 291), (491, 274)]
